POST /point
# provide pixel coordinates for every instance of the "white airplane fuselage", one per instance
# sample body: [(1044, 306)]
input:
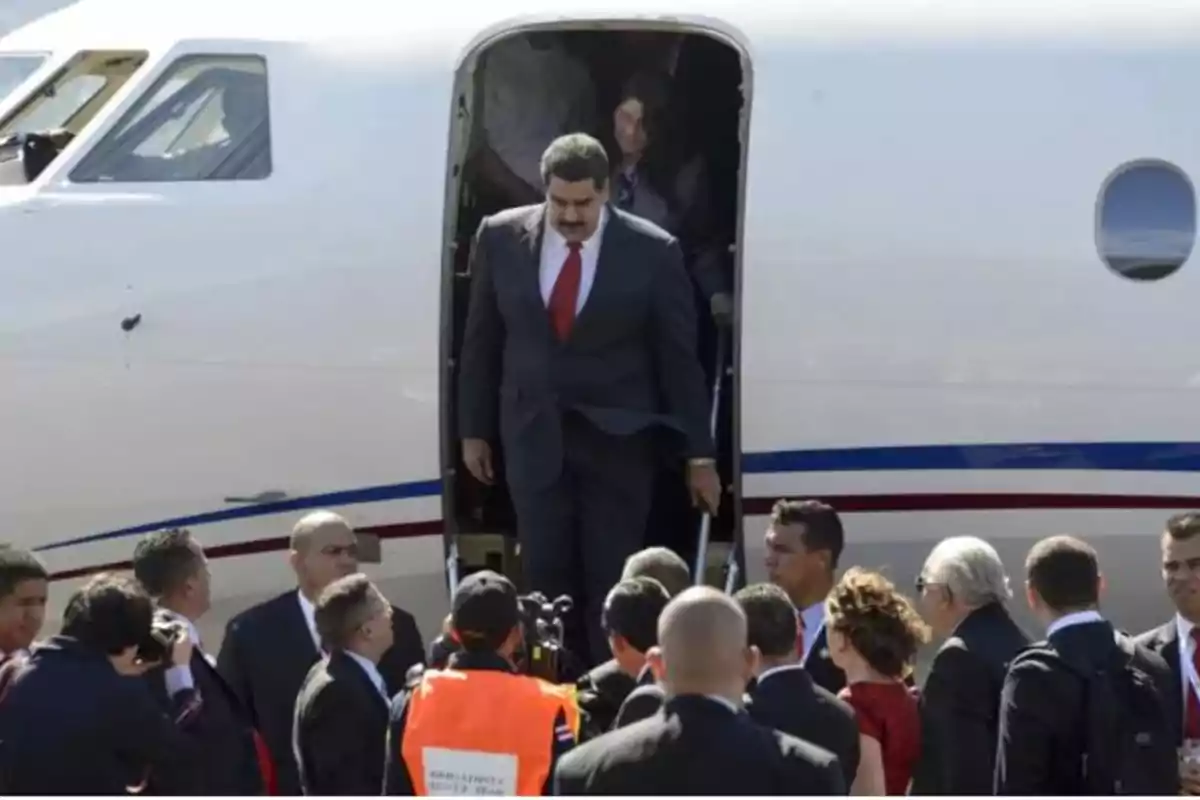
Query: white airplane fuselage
[(928, 336)]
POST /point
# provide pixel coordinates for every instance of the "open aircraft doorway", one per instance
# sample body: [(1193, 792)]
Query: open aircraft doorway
[(695, 158)]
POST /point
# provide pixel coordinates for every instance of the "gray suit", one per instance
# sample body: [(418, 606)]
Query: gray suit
[(580, 419)]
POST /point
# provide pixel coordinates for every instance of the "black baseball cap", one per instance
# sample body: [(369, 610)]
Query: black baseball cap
[(485, 610)]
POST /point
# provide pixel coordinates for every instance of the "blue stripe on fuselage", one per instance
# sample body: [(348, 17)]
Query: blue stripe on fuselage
[(1121, 456)]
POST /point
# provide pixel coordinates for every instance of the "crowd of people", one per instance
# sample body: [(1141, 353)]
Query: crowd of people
[(802, 685)]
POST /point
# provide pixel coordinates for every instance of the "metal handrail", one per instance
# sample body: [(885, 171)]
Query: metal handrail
[(703, 535)]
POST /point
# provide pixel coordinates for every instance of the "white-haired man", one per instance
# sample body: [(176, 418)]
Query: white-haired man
[(963, 591)]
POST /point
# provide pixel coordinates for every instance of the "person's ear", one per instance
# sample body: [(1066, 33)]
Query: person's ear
[(753, 662), (658, 667)]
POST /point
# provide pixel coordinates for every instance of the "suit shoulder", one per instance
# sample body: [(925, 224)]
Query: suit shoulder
[(509, 217), (643, 228), (608, 748), (828, 698), (261, 614), (796, 749), (1153, 639)]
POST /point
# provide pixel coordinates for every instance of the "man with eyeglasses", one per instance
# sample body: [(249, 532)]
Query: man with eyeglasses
[(269, 649), (962, 593)]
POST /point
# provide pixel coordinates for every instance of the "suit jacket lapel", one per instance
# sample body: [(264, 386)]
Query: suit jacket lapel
[(1169, 650), (296, 632), (532, 233), (608, 266)]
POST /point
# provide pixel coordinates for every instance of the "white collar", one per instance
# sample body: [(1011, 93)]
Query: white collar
[(778, 669), (1183, 629), (310, 619), (556, 239), (1074, 618), (371, 669)]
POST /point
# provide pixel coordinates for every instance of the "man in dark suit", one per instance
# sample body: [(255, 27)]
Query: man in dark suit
[(341, 716), (72, 723), (24, 586), (171, 566), (701, 743), (269, 649), (1063, 730), (782, 694), (1176, 640), (631, 613), (579, 350), (804, 542), (962, 590), (610, 683)]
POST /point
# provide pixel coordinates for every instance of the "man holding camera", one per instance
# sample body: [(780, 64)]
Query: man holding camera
[(71, 723), (171, 566), (479, 727)]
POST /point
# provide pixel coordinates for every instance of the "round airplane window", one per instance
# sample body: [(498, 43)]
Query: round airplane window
[(1146, 220)]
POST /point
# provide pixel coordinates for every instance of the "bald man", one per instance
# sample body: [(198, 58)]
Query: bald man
[(701, 742), (269, 649)]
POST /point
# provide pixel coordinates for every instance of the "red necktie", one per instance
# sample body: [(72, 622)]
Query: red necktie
[(565, 294), (1192, 717)]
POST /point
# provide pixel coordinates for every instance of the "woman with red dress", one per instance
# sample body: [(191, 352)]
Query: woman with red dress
[(874, 635)]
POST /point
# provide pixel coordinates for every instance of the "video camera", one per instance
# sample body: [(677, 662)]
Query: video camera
[(160, 639), (542, 653)]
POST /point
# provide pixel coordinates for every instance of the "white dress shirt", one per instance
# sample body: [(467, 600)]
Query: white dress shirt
[(814, 623), (554, 254), (372, 672), (310, 619), (1187, 652), (1075, 618)]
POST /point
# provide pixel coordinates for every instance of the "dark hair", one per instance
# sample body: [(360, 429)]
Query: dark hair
[(651, 88), (771, 622), (631, 611), (1065, 573), (880, 623), (1182, 527), (575, 157), (109, 614), (18, 566), (822, 528), (343, 607), (661, 564), (164, 560)]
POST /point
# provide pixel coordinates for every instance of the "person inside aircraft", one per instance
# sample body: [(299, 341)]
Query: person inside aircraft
[(534, 90), (649, 181), (182, 139)]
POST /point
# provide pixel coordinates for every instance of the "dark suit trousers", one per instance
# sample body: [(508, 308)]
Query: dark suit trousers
[(577, 531)]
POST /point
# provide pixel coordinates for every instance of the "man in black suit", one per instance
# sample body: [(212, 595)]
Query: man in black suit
[(631, 613), (782, 694), (1181, 574), (579, 350), (804, 542), (1063, 730), (24, 586), (962, 590), (269, 649), (72, 723), (171, 566), (701, 743), (342, 711), (609, 684)]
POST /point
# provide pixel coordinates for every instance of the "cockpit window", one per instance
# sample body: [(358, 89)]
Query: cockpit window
[(15, 68), (73, 96), (207, 118)]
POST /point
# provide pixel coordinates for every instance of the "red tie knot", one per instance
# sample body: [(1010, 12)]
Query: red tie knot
[(1195, 634), (574, 247)]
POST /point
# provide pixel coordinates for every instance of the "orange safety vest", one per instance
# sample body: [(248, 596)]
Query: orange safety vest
[(473, 732)]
